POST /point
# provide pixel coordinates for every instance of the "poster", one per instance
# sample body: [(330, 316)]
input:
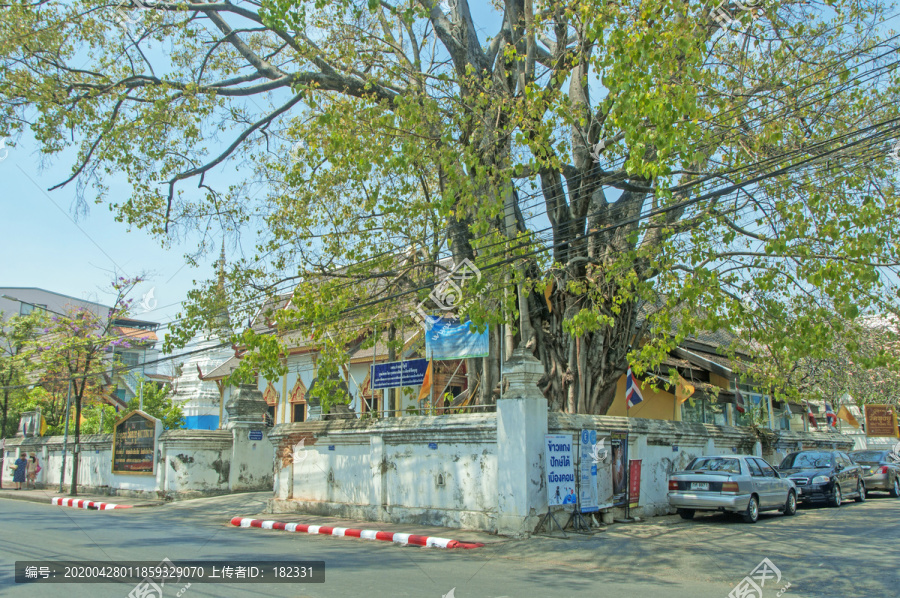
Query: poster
[(634, 483), (881, 420), (619, 451), (587, 472), (134, 444), (560, 469), (452, 339)]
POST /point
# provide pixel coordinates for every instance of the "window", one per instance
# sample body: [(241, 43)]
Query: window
[(869, 456), (27, 308), (703, 412), (766, 468), (813, 459), (726, 464), (270, 416), (298, 412), (129, 359), (755, 471)]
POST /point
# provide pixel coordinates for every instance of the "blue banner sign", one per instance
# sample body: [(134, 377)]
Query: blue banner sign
[(395, 374), (452, 339)]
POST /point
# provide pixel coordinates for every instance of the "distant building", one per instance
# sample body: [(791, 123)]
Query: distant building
[(138, 360)]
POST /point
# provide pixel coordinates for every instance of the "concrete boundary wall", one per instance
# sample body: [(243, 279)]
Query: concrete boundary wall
[(427, 470), (667, 446), (189, 464)]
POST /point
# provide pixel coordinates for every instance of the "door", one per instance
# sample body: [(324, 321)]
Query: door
[(854, 471), (777, 486), (761, 483), (845, 475)]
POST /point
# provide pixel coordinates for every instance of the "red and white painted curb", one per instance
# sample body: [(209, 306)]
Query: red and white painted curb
[(86, 504), (365, 534)]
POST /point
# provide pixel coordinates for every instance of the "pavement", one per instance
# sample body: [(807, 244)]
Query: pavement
[(44, 495), (852, 551)]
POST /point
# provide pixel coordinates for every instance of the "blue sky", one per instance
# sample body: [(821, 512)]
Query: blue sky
[(45, 246)]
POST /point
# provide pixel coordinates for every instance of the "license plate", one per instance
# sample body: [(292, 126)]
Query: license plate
[(699, 485), (799, 490)]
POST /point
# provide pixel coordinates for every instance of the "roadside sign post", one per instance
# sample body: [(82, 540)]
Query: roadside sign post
[(62, 470), (560, 478)]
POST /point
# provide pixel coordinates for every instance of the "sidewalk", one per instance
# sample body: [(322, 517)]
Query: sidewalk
[(462, 535), (45, 495)]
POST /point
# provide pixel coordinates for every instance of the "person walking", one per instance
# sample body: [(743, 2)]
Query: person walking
[(20, 468), (31, 471)]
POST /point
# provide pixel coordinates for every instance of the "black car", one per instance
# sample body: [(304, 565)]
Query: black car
[(824, 476)]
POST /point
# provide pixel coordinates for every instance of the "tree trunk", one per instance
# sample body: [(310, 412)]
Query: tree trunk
[(392, 356), (76, 453)]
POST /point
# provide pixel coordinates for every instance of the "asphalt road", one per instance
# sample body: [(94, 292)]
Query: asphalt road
[(848, 552)]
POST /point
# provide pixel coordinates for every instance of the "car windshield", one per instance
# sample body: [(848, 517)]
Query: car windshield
[(868, 456), (814, 460), (715, 464)]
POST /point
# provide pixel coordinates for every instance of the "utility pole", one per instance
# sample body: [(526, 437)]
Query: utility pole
[(62, 470)]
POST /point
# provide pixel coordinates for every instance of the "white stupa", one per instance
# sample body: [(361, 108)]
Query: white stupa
[(199, 399)]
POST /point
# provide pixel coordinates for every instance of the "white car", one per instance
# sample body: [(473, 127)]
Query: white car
[(735, 483)]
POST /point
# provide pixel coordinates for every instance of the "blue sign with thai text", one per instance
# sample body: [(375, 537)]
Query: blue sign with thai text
[(395, 374), (256, 434)]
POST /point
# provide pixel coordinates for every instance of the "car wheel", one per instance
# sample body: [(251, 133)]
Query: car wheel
[(861, 490), (686, 513), (895, 489), (837, 499), (751, 515), (790, 507)]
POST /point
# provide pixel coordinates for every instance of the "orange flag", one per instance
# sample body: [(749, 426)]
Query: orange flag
[(427, 381)]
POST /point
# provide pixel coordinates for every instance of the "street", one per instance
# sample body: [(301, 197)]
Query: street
[(851, 551)]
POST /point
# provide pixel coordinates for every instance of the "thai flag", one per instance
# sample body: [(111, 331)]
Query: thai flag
[(811, 416), (830, 416), (632, 392)]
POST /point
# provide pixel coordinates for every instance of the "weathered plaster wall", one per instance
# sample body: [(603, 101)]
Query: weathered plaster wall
[(189, 463), (93, 470), (194, 462), (428, 470), (667, 446)]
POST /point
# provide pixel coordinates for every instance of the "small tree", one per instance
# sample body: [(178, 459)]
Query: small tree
[(77, 349), (18, 333)]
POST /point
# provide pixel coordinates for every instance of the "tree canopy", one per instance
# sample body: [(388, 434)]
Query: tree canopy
[(622, 174)]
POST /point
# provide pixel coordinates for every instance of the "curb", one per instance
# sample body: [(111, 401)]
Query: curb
[(365, 534), (86, 504)]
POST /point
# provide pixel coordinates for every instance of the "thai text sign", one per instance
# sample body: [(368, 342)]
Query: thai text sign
[(560, 469), (881, 420), (395, 374), (134, 444)]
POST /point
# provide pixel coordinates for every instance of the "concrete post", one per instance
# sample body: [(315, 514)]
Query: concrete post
[(521, 426), (379, 490), (251, 453)]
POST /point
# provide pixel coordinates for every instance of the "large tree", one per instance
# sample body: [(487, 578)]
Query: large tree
[(621, 173)]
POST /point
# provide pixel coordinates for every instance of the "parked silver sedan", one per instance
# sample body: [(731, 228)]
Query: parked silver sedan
[(881, 470), (736, 483)]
